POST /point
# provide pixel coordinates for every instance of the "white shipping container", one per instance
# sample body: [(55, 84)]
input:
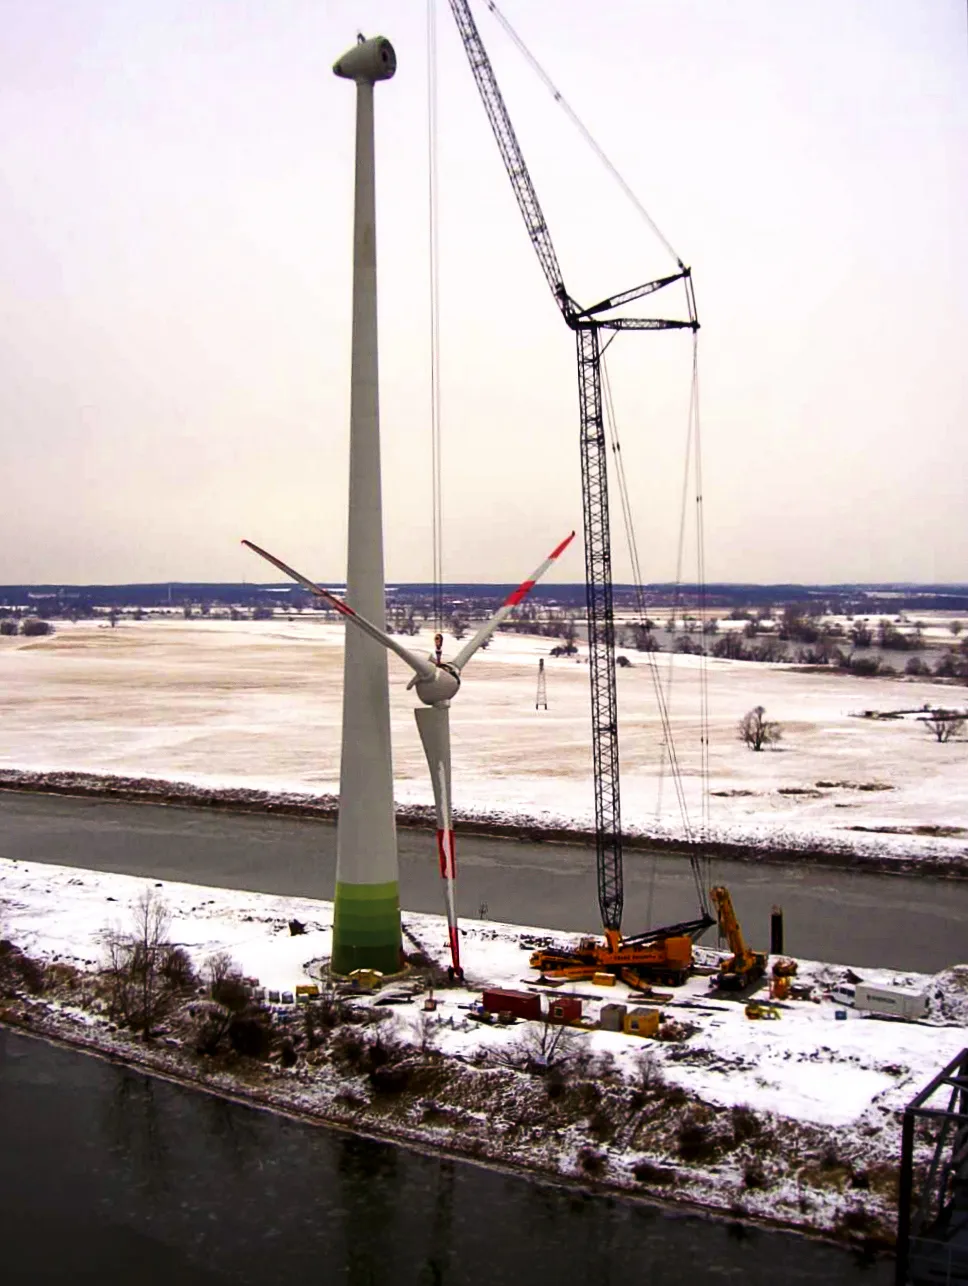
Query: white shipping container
[(894, 1002)]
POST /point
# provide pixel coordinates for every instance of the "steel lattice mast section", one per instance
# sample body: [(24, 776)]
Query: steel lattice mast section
[(366, 912), (587, 324)]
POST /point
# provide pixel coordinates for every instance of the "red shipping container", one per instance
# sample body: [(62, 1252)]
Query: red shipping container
[(523, 1004), (564, 1009)]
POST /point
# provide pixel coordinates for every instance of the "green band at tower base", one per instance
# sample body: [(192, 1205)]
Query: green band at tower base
[(366, 927)]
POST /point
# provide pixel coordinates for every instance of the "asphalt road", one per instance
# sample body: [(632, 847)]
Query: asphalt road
[(898, 921)]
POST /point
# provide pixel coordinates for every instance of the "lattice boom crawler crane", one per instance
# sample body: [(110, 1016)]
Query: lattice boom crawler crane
[(666, 952)]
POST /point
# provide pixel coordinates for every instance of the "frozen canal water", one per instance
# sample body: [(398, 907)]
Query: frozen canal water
[(902, 922), (107, 1175)]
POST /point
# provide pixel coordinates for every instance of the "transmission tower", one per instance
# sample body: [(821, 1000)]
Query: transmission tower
[(541, 700)]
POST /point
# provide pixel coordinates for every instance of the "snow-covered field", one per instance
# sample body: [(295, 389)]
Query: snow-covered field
[(818, 1097), (258, 704)]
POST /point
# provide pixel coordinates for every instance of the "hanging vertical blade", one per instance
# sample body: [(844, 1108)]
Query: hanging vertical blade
[(433, 724)]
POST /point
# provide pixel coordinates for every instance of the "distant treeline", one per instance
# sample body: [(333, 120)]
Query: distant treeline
[(84, 600)]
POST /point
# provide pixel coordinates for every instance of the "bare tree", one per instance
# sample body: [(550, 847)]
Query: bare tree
[(139, 989), (543, 1047), (226, 985), (944, 723), (757, 731)]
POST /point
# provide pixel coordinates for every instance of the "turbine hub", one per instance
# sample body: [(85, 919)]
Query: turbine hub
[(442, 687)]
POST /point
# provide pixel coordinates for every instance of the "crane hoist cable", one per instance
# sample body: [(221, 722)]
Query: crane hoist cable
[(590, 325), (434, 311), (699, 871), (581, 127), (701, 584)]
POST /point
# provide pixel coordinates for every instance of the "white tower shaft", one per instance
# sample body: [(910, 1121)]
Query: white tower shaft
[(366, 930)]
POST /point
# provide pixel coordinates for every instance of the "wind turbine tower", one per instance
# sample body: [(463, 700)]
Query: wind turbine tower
[(366, 924)]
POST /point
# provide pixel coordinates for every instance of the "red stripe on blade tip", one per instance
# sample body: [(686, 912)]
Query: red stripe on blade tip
[(564, 545)]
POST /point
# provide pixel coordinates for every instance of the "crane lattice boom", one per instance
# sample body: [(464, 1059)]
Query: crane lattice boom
[(587, 323)]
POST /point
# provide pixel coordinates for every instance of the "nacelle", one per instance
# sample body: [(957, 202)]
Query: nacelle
[(369, 60)]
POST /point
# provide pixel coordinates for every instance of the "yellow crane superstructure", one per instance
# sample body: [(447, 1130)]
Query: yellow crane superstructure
[(745, 965)]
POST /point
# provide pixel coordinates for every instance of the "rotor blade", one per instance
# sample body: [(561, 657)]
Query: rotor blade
[(433, 724), (512, 600), (423, 669)]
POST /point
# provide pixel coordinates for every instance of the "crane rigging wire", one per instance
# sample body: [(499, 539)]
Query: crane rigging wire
[(701, 585), (582, 128), (699, 865), (693, 457), (434, 310)]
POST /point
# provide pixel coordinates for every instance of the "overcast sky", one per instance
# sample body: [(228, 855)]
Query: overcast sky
[(175, 237)]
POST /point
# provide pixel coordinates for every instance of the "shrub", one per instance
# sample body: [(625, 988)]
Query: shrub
[(349, 1048), (390, 1078), (225, 983), (32, 627), (830, 1158), (591, 1162), (177, 971), (210, 1025), (746, 1124), (600, 1125), (249, 1034), (857, 1219), (17, 970), (555, 1083), (866, 665), (321, 1016), (287, 1053), (754, 1176), (649, 1172), (695, 1140), (8, 627)]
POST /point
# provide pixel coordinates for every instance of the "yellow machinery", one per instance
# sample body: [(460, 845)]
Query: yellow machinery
[(744, 966), (783, 971), (760, 1009)]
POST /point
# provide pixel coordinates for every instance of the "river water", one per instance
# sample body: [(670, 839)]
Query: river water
[(107, 1175)]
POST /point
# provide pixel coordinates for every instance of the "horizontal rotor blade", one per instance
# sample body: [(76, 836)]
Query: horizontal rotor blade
[(423, 669), (507, 607)]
